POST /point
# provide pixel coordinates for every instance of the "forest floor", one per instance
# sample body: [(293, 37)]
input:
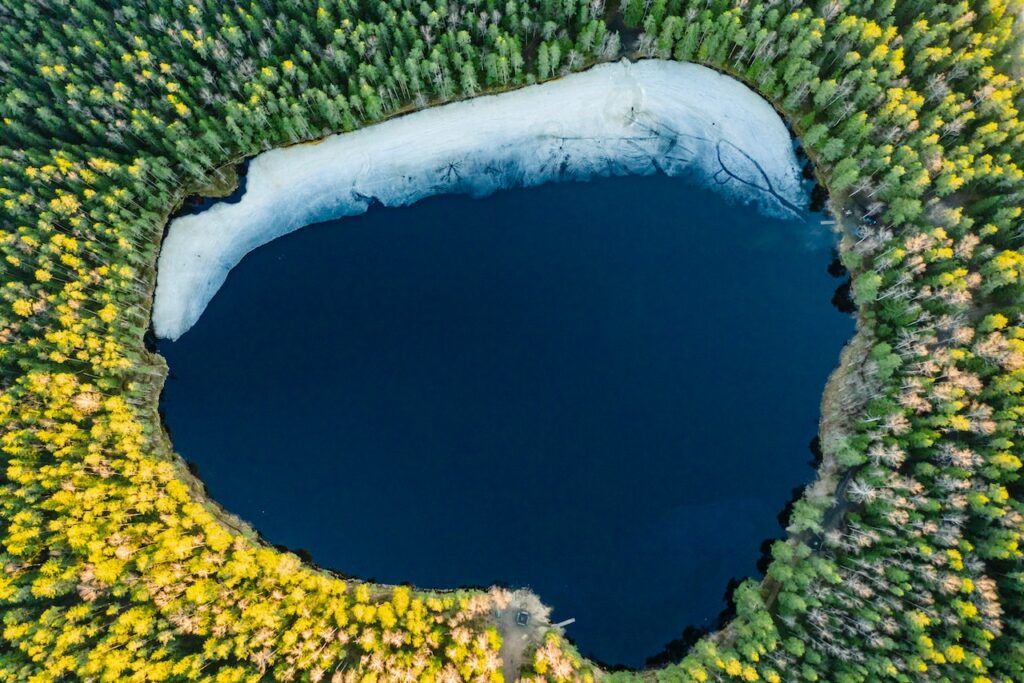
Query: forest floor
[(844, 391), (838, 405), (516, 639), (222, 182)]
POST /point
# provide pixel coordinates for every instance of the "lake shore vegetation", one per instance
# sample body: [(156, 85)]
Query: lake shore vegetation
[(115, 569)]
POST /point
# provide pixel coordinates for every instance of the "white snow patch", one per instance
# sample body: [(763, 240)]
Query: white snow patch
[(615, 119)]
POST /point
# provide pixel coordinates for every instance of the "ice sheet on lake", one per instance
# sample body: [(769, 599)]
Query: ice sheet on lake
[(615, 119)]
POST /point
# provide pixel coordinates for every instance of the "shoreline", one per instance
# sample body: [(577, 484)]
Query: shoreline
[(827, 485), (615, 119)]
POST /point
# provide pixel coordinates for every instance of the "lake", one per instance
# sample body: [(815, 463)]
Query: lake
[(604, 391)]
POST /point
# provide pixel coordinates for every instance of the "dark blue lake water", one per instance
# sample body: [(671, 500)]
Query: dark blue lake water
[(603, 391)]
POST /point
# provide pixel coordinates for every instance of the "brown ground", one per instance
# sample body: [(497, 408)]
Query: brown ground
[(516, 640)]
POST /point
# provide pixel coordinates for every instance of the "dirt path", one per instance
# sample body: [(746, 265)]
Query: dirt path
[(517, 638)]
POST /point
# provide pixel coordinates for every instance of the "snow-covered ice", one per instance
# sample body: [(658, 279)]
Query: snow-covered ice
[(615, 119)]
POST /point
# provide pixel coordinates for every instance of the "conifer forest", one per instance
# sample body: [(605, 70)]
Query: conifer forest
[(904, 562)]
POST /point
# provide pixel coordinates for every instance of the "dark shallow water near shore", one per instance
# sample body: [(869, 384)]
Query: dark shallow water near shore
[(603, 391)]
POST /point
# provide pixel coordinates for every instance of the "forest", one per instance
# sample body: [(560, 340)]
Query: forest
[(115, 568)]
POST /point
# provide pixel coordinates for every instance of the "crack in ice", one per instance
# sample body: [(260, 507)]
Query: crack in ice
[(615, 119), (771, 190)]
